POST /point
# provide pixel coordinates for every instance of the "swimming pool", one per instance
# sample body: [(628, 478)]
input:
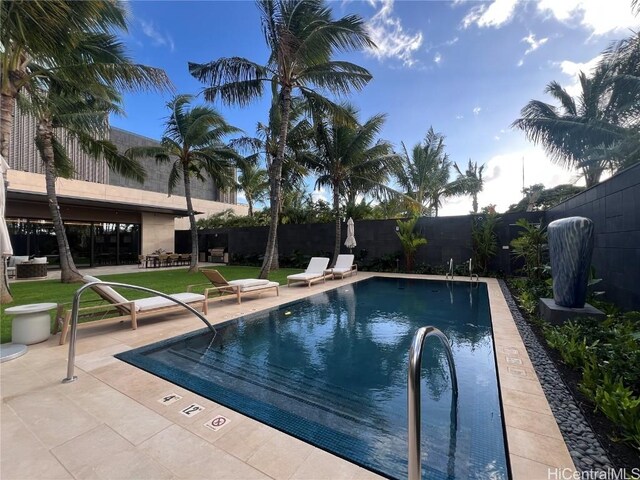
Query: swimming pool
[(331, 369)]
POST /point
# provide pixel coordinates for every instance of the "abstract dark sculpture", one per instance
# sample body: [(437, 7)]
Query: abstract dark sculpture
[(570, 248)]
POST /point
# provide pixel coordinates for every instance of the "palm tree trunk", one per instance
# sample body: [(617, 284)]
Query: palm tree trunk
[(336, 209), (193, 267), (5, 291), (7, 108), (68, 271), (250, 202), (475, 203), (276, 177)]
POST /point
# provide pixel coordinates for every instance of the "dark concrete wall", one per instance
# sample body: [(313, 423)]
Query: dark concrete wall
[(448, 237), (614, 208), (613, 205)]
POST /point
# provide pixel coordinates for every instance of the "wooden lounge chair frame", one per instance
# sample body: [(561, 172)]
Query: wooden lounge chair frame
[(125, 309), (222, 286), (353, 269), (321, 275)]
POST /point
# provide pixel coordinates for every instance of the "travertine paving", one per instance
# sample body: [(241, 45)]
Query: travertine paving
[(111, 424)]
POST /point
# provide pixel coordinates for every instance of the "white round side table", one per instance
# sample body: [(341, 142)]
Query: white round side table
[(31, 323)]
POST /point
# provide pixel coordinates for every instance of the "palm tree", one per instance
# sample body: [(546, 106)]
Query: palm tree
[(346, 155), (583, 133), (68, 41), (410, 240), (302, 37), (253, 181), (81, 115), (473, 179), (622, 61), (299, 134), (193, 144), (425, 175)]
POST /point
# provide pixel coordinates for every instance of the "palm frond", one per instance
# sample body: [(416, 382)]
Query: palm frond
[(235, 80)]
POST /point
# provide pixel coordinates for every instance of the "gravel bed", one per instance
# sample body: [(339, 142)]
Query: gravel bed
[(584, 447)]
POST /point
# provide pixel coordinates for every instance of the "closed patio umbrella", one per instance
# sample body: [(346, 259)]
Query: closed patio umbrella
[(5, 242), (350, 242)]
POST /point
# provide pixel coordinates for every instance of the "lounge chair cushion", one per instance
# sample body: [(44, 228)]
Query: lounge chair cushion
[(304, 276), (344, 263), (251, 288), (16, 259), (341, 270), (151, 303), (249, 282), (39, 260), (317, 266), (107, 292)]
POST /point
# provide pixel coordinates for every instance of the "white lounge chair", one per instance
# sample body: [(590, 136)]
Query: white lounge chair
[(130, 308), (235, 287), (344, 266), (313, 273)]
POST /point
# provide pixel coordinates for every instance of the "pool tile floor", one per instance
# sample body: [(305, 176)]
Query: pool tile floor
[(109, 424)]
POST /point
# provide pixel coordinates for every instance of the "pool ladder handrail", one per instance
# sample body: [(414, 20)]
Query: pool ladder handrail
[(413, 394), (450, 272), (76, 306), (471, 274)]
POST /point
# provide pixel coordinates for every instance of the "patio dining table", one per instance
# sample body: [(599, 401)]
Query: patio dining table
[(155, 259)]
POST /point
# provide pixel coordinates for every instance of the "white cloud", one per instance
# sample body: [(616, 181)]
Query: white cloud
[(503, 180), (572, 69), (158, 38), (459, 117), (437, 58), (599, 16), (520, 62), (320, 194), (495, 15), (390, 37), (476, 111), (496, 138), (533, 43)]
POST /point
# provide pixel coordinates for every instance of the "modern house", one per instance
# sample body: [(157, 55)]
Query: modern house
[(110, 220)]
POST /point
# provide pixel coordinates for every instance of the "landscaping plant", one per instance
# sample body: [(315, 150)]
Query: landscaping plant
[(607, 353), (529, 246), (485, 240), (410, 240)]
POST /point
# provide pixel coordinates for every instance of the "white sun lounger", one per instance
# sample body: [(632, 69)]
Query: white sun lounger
[(313, 273), (133, 309), (344, 266)]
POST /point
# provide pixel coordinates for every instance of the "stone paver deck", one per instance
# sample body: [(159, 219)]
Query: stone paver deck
[(109, 423)]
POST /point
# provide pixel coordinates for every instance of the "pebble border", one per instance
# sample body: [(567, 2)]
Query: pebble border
[(585, 448)]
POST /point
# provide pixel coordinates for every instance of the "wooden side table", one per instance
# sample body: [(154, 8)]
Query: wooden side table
[(31, 323)]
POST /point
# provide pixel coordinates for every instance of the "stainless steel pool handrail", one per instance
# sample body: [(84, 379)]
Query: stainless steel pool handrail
[(413, 393), (450, 272), (471, 274), (76, 306)]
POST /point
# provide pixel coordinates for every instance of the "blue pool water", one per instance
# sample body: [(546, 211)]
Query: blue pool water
[(332, 370)]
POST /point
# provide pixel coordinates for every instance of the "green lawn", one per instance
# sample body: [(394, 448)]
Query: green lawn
[(166, 281)]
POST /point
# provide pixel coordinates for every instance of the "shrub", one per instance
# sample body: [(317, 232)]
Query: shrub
[(529, 246), (485, 240), (410, 240)]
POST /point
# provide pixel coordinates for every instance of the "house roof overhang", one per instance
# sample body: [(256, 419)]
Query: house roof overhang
[(70, 201)]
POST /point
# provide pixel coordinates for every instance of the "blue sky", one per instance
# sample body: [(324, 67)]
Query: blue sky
[(464, 67)]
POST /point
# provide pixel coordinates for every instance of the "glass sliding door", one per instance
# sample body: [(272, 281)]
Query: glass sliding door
[(79, 237), (129, 243)]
